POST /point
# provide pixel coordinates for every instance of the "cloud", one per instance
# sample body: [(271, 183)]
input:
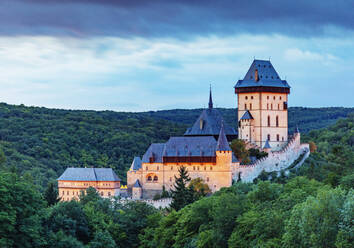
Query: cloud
[(176, 18), (149, 74)]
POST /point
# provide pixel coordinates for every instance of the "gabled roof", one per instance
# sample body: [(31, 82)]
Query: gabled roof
[(89, 174), (267, 76), (247, 116), (155, 150), (267, 145), (137, 184), (209, 123), (190, 146), (223, 144), (136, 165)]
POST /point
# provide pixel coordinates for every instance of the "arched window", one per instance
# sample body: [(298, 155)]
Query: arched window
[(268, 121), (149, 179), (246, 97), (277, 121), (250, 106), (267, 106), (268, 137), (245, 106), (155, 178), (277, 137)]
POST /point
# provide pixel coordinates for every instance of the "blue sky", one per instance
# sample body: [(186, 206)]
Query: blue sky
[(153, 55)]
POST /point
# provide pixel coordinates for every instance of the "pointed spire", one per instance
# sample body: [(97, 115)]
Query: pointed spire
[(210, 100), (223, 144), (267, 145), (297, 129)]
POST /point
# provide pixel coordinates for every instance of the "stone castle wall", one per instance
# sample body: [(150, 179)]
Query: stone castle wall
[(276, 160)]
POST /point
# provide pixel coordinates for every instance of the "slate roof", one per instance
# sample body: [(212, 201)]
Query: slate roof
[(190, 146), (155, 149), (246, 116), (137, 184), (212, 120), (267, 145), (223, 144), (136, 165), (267, 76), (89, 174)]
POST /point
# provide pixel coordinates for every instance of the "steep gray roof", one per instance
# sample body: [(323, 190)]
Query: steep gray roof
[(156, 150), (136, 165), (89, 174), (247, 116), (223, 144), (137, 184), (267, 76), (190, 146), (267, 145), (209, 123)]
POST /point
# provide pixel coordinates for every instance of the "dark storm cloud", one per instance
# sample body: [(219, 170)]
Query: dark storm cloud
[(182, 18)]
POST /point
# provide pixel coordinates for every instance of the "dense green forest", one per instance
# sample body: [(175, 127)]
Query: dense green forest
[(312, 206), (43, 142)]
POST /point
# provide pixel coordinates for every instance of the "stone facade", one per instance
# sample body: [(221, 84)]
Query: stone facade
[(69, 190), (276, 160)]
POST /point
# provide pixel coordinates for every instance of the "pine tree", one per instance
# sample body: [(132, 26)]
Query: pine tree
[(181, 195), (51, 195)]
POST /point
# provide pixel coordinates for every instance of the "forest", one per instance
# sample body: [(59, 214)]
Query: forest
[(311, 206), (42, 142)]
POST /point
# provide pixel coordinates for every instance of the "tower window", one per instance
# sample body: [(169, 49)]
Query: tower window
[(268, 97), (267, 105), (271, 106), (277, 121), (279, 97), (149, 179), (277, 137), (245, 106), (273, 97), (155, 178), (246, 97), (171, 167), (250, 106), (251, 97), (282, 138), (157, 168), (278, 106), (268, 121), (268, 137)]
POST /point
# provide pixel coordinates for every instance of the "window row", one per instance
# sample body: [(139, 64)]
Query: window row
[(276, 121), (268, 97), (277, 137)]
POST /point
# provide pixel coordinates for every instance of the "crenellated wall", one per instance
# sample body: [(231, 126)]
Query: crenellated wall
[(276, 160)]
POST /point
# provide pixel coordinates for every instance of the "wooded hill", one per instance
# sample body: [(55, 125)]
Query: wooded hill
[(43, 142)]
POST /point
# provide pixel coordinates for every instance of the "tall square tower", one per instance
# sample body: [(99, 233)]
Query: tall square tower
[(262, 100)]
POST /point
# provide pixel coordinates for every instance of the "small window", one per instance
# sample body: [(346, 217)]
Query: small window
[(198, 167), (73, 193), (67, 193), (171, 167), (268, 97), (207, 179), (277, 137), (282, 138), (211, 168), (109, 193), (251, 97), (250, 106), (155, 178), (268, 137), (102, 193), (278, 106), (279, 97), (273, 97), (245, 106), (268, 121), (277, 121), (147, 168), (271, 106), (246, 97), (193, 167), (158, 168), (267, 105), (149, 178)]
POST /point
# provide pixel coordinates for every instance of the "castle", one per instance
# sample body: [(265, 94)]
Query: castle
[(204, 149)]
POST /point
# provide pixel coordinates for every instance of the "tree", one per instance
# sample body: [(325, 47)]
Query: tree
[(239, 149), (199, 188), (2, 157), (181, 195), (51, 194), (313, 147), (102, 239)]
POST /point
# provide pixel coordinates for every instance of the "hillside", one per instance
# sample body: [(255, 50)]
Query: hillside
[(43, 142)]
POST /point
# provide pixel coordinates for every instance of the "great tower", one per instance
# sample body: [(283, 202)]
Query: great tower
[(262, 100)]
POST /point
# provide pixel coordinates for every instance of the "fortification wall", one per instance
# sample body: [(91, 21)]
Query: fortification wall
[(276, 160)]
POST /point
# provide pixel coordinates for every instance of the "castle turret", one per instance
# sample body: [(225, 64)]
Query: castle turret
[(263, 106), (137, 190)]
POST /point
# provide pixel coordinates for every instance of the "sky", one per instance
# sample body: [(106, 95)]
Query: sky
[(131, 55)]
